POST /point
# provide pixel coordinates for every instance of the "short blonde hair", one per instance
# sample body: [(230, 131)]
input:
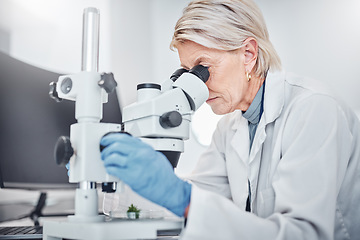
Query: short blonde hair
[(225, 25)]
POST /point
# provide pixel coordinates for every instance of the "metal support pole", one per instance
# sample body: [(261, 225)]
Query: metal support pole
[(90, 40), (86, 199)]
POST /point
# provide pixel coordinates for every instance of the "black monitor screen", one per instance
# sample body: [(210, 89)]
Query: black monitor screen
[(30, 124)]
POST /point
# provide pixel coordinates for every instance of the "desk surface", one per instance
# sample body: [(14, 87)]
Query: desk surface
[(18, 204), (165, 235)]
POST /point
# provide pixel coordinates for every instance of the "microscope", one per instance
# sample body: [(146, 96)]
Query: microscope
[(161, 117), (162, 114)]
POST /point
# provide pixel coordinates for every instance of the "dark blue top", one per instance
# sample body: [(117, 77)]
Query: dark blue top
[(254, 112), (253, 115)]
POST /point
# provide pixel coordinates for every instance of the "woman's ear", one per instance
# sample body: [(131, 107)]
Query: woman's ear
[(251, 53)]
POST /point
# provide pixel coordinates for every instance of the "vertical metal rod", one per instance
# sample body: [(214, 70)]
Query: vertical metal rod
[(90, 40), (90, 62)]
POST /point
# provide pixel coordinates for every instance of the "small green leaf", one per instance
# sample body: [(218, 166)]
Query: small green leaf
[(133, 208)]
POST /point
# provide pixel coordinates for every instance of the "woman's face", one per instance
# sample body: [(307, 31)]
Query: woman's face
[(227, 83)]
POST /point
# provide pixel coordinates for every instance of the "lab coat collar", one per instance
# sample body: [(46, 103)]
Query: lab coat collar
[(274, 96), (241, 142), (273, 105), (238, 119)]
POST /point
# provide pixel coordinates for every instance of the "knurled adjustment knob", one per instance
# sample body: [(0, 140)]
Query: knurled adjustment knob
[(53, 93), (170, 119), (63, 150), (107, 82)]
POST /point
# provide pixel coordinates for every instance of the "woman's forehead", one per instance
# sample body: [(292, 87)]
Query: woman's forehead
[(191, 54)]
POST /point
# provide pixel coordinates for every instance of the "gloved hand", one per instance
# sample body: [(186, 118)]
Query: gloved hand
[(146, 171)]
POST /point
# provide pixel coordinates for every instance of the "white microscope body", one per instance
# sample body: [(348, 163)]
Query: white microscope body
[(162, 114), (160, 117)]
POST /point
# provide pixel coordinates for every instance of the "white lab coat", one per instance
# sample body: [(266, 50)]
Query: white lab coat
[(304, 170)]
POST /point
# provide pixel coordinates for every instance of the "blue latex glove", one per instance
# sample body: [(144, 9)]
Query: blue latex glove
[(146, 171), (68, 168)]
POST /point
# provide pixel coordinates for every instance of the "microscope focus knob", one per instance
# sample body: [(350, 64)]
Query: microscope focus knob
[(63, 150), (107, 82), (53, 93), (170, 119)]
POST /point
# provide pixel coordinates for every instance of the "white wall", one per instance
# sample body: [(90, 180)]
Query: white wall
[(320, 39), (48, 34), (131, 46)]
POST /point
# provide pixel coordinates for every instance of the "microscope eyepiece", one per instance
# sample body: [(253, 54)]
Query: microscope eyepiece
[(177, 74), (148, 85), (201, 72)]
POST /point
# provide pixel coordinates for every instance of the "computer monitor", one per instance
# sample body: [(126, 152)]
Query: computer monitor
[(30, 124)]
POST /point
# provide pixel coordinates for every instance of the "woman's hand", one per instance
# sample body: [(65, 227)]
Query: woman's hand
[(146, 171)]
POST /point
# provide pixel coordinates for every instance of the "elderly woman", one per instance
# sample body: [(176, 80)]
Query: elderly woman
[(284, 162)]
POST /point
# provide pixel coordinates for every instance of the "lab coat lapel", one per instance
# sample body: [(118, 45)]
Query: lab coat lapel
[(273, 105), (240, 165), (274, 96), (240, 142), (237, 161)]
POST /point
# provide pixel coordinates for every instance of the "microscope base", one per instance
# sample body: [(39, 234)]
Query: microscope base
[(114, 229)]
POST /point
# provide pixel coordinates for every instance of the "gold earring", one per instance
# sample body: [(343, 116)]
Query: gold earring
[(248, 76)]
